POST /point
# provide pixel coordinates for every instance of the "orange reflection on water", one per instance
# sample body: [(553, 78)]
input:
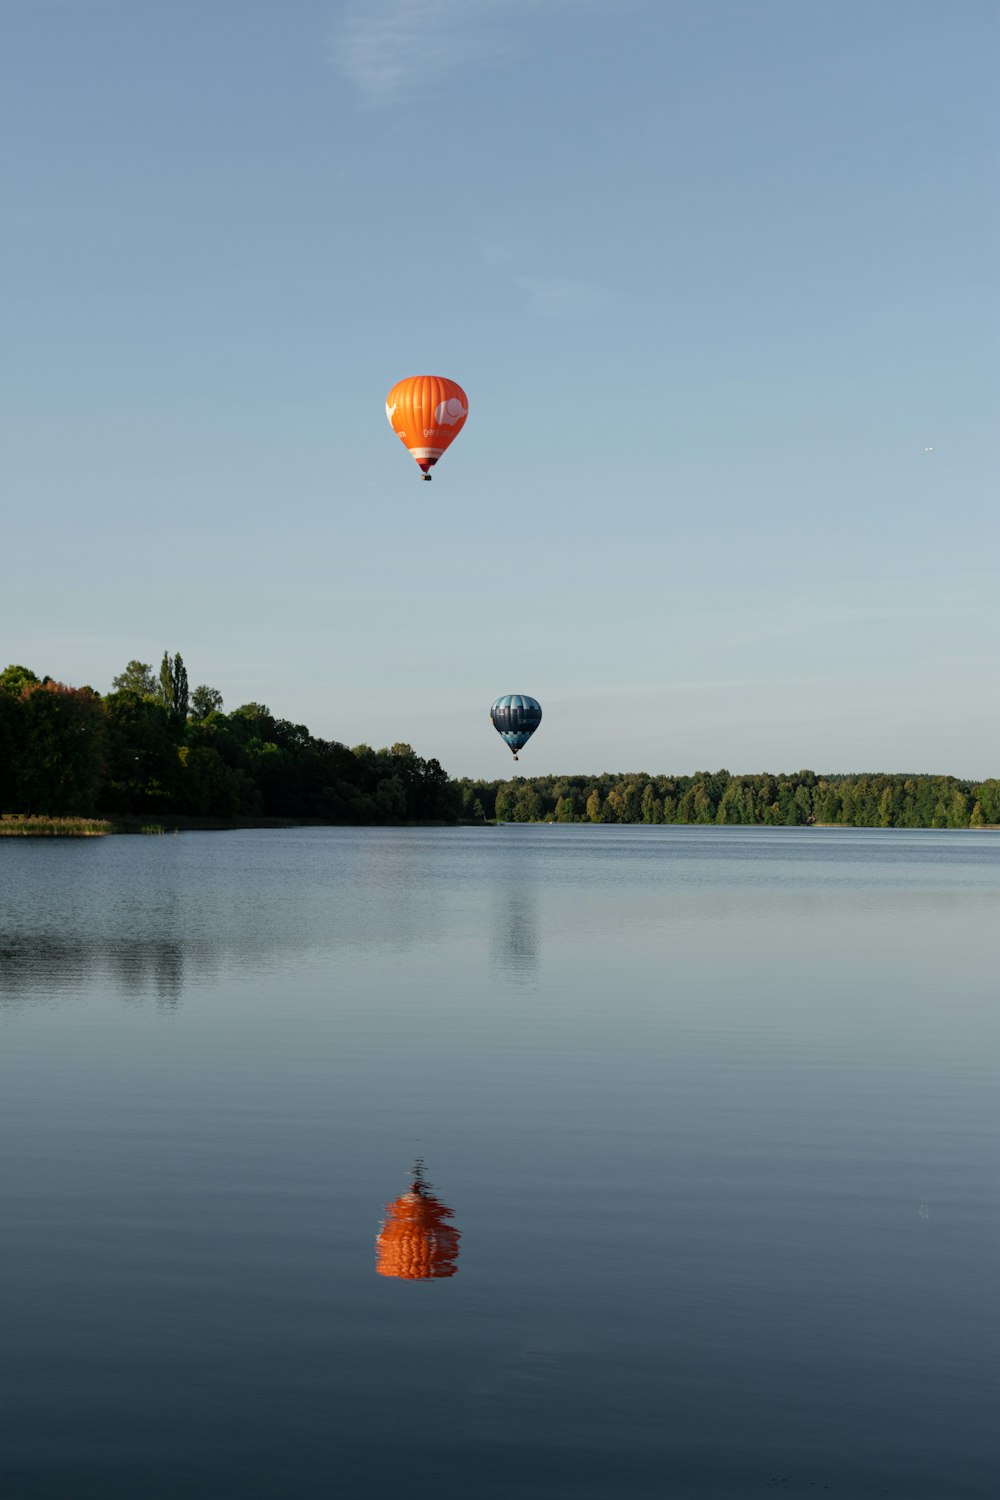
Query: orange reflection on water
[(416, 1243)]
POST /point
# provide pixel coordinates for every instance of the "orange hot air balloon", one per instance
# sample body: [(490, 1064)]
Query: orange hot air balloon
[(427, 412), (415, 1242)]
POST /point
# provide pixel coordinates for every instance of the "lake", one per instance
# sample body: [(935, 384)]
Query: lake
[(713, 1110)]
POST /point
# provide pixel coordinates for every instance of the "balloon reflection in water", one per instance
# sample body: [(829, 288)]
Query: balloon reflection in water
[(416, 1243)]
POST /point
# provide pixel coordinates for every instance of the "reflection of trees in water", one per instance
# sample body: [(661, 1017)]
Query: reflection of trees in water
[(42, 965), (159, 966), (146, 922), (514, 942), (32, 965)]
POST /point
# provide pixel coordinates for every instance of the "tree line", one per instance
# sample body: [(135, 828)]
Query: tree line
[(153, 746), (796, 800)]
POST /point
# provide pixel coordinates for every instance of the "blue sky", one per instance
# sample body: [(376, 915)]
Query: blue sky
[(725, 269)]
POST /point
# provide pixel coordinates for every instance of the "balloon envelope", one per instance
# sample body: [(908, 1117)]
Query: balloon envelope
[(427, 412), (515, 719)]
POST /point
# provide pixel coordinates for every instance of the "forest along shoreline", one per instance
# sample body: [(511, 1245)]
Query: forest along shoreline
[(151, 757)]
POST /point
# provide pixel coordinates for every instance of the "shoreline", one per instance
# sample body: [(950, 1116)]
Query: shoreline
[(24, 825), (14, 825)]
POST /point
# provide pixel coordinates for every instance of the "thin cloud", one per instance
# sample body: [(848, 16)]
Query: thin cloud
[(389, 49), (548, 296), (616, 689), (392, 49), (557, 297)]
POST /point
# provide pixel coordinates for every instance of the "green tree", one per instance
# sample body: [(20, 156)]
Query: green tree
[(505, 803), (803, 799), (390, 800), (958, 810), (14, 680), (696, 804), (204, 701), (704, 807), (734, 806), (173, 687), (791, 813), (830, 806), (10, 736), (208, 787), (647, 807), (988, 797), (595, 810), (624, 802), (137, 678), (616, 805), (143, 767), (528, 804), (885, 809)]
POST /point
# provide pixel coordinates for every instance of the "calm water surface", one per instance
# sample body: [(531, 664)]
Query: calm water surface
[(714, 1111)]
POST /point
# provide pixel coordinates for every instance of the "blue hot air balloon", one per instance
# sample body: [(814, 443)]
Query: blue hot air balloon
[(515, 719)]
